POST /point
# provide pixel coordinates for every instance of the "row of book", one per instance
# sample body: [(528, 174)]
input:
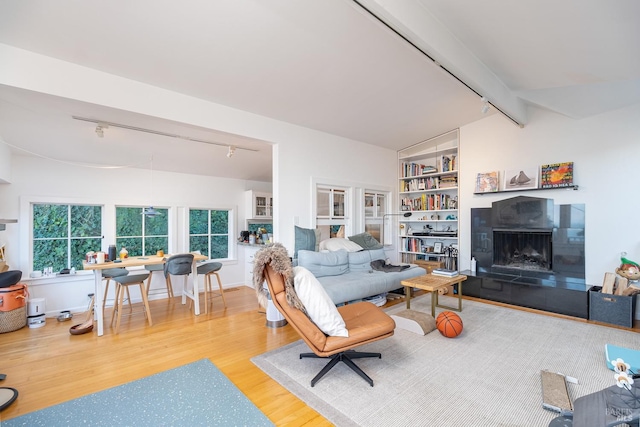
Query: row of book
[(430, 202), (444, 164), (430, 183)]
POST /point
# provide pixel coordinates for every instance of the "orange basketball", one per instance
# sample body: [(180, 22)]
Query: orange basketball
[(449, 324)]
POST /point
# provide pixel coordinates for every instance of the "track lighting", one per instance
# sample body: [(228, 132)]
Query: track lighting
[(231, 151), (485, 105), (100, 130)]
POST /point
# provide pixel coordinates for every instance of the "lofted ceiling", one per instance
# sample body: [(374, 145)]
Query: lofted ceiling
[(362, 70)]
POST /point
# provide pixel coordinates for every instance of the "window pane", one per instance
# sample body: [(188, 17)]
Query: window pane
[(381, 205), (323, 202), (219, 222), (156, 225), (50, 221), (198, 221), (50, 253), (86, 221), (133, 245), (128, 221), (79, 248), (338, 203), (199, 243), (219, 247), (369, 208), (374, 230), (154, 244)]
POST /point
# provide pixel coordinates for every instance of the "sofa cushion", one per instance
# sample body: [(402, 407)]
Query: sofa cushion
[(324, 263), (338, 243), (321, 310), (366, 240), (305, 239), (361, 261)]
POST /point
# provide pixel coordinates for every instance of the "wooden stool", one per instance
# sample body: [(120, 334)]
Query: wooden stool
[(125, 282), (208, 269), (108, 274), (151, 269)]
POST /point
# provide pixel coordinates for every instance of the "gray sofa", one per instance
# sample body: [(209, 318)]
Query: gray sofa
[(348, 276)]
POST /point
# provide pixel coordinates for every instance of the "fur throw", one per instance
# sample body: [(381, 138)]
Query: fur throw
[(276, 255)]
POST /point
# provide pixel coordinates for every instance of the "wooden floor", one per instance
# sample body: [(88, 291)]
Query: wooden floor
[(49, 366)]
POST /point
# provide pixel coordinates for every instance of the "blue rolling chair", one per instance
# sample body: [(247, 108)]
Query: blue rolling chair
[(209, 269)]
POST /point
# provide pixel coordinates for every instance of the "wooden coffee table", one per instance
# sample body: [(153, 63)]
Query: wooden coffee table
[(431, 283)]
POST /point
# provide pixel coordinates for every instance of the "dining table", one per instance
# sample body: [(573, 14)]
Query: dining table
[(138, 261)]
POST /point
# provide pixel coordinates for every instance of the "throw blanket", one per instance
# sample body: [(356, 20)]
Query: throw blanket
[(276, 255), (381, 265)]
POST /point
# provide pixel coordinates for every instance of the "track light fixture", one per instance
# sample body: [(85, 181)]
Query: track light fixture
[(100, 130), (231, 151), (485, 105)]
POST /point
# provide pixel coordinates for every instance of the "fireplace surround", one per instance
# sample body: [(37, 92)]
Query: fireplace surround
[(530, 252)]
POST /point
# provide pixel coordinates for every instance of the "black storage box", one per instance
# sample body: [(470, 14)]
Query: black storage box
[(608, 308)]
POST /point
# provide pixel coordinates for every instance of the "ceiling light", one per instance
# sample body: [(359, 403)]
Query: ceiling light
[(231, 151), (485, 105)]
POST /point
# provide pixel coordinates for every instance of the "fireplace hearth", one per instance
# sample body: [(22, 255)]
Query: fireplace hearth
[(530, 252)]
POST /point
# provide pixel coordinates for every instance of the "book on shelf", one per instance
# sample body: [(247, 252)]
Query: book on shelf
[(444, 272)]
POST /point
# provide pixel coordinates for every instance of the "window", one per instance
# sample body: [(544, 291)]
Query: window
[(63, 234), (141, 234), (375, 207), (209, 232), (331, 210)]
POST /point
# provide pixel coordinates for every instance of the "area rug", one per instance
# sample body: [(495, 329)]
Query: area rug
[(487, 376), (197, 394)]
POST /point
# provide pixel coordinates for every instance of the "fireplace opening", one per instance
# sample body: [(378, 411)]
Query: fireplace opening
[(522, 249)]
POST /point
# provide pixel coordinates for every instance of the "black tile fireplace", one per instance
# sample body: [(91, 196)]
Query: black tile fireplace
[(530, 252)]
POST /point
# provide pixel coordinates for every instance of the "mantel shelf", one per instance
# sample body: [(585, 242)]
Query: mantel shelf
[(571, 187)]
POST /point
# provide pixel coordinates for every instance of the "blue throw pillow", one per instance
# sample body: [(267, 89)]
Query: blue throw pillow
[(305, 240)]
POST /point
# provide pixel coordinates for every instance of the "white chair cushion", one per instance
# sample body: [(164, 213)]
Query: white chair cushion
[(319, 306)]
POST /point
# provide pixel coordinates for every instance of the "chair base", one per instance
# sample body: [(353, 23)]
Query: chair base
[(346, 357)]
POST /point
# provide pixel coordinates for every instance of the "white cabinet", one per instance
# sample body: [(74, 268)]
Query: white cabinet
[(428, 195), (259, 205)]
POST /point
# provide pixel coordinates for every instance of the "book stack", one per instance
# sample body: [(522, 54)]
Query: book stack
[(444, 272)]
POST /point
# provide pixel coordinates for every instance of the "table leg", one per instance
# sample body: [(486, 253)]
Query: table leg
[(407, 295), (97, 298), (196, 289), (435, 298), (434, 302)]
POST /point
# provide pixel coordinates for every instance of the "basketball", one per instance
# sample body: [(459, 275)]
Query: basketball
[(449, 324)]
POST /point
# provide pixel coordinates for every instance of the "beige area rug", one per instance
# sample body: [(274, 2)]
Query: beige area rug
[(487, 376)]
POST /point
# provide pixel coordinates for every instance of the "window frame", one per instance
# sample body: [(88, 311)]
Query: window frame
[(231, 212)]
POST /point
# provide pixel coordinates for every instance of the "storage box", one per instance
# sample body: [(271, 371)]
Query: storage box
[(13, 310), (608, 308)]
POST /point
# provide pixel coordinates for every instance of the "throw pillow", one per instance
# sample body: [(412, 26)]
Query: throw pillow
[(305, 239), (320, 309), (337, 244), (366, 240)]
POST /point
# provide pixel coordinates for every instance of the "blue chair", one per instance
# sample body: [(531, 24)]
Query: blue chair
[(122, 283), (151, 269), (178, 265), (209, 269), (111, 273)]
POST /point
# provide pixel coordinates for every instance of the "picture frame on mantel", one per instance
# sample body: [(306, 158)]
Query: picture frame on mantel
[(487, 182), (520, 179), (556, 175)]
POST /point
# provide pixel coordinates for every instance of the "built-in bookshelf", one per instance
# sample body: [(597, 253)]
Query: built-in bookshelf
[(428, 191)]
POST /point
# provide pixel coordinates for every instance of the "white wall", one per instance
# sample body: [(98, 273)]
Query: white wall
[(5, 167), (604, 150)]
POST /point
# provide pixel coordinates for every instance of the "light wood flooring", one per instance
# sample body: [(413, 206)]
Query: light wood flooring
[(48, 365)]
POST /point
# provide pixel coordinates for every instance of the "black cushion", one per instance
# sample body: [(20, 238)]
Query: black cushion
[(10, 278)]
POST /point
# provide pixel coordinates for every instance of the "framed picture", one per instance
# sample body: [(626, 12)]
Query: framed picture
[(520, 179), (405, 208), (487, 182), (556, 175), (437, 247)]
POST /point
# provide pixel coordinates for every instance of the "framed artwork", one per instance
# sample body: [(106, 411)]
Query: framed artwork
[(520, 179), (487, 182), (556, 175), (437, 247)]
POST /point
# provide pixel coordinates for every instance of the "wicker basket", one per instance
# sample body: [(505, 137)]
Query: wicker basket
[(13, 320)]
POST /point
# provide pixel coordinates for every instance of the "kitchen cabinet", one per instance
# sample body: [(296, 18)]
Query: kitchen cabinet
[(259, 205)]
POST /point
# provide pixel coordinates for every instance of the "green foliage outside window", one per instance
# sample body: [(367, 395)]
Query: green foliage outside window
[(140, 234), (209, 232), (63, 234)]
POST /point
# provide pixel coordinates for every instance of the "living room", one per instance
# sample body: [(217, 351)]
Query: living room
[(601, 145)]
